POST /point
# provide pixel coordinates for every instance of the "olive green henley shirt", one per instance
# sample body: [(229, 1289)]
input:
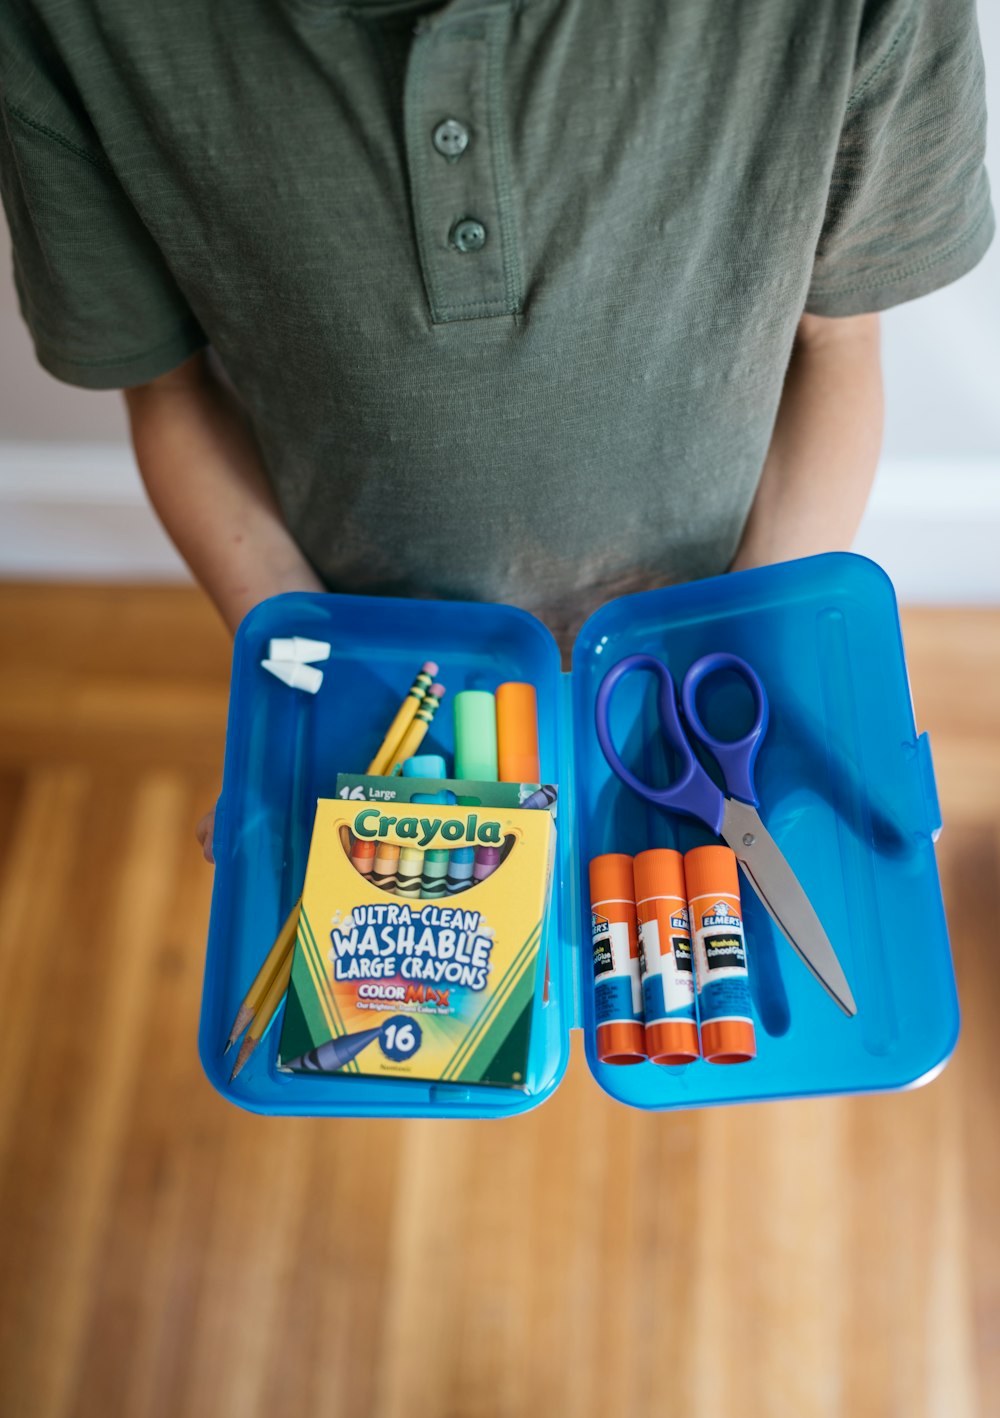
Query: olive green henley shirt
[(508, 287)]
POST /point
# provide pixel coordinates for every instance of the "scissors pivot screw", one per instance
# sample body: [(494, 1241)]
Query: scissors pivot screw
[(748, 839)]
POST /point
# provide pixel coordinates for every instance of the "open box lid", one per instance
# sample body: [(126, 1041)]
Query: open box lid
[(845, 783)]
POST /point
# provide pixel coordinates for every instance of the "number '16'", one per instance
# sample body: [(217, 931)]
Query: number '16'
[(400, 1036)]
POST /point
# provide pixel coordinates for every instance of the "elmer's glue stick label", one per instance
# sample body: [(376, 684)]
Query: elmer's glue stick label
[(720, 955), (617, 981), (665, 957)]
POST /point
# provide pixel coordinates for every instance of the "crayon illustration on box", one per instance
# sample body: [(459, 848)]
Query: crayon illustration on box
[(393, 984)]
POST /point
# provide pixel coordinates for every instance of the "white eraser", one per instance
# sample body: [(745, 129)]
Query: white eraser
[(298, 676), (298, 650)]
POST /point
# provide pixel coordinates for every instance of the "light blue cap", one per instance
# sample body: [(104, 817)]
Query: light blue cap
[(425, 765)]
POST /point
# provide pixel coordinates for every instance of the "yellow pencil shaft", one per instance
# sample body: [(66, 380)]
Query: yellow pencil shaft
[(414, 735), (272, 999), (409, 743), (396, 730), (275, 958)]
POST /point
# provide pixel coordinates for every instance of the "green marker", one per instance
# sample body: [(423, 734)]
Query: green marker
[(476, 736)]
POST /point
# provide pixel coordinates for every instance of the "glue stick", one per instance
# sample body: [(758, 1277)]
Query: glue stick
[(665, 957), (720, 956), (617, 984)]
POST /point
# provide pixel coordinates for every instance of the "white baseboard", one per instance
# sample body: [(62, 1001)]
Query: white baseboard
[(935, 527), (79, 512)]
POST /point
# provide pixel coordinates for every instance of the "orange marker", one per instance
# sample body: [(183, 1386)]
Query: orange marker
[(617, 985), (665, 957), (720, 956), (517, 733)]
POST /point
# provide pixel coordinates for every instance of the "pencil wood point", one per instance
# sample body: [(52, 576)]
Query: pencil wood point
[(246, 1049), (241, 1021)]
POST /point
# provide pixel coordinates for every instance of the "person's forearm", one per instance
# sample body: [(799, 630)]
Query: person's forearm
[(824, 448), (204, 477)]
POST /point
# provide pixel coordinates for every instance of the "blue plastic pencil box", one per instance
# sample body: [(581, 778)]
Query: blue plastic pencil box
[(846, 787)]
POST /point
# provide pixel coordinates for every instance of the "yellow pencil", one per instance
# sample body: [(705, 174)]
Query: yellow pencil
[(411, 740), (404, 717), (264, 1015), (281, 948)]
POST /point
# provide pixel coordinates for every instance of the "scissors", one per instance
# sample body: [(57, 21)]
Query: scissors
[(731, 814)]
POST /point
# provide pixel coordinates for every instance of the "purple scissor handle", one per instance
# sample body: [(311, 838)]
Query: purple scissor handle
[(692, 792)]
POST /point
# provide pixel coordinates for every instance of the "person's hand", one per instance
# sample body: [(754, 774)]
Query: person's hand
[(204, 832)]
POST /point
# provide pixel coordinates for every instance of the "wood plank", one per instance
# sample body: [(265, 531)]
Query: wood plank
[(112, 675), (99, 629)]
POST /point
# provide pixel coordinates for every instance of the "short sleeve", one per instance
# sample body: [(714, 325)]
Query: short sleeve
[(100, 303), (909, 202)]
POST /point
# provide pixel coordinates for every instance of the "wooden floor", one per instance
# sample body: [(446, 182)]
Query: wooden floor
[(164, 1255)]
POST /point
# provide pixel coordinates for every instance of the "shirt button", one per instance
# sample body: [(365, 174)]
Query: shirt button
[(451, 138), (468, 234)]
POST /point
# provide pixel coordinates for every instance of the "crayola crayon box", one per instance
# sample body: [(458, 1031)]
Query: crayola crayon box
[(439, 990)]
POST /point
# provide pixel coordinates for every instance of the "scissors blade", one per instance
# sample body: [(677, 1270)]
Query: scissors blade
[(784, 899)]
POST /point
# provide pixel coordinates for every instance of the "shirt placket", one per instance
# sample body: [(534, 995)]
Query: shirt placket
[(459, 166)]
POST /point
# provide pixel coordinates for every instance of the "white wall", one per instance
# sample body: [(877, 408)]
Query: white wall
[(942, 353), (71, 504)]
